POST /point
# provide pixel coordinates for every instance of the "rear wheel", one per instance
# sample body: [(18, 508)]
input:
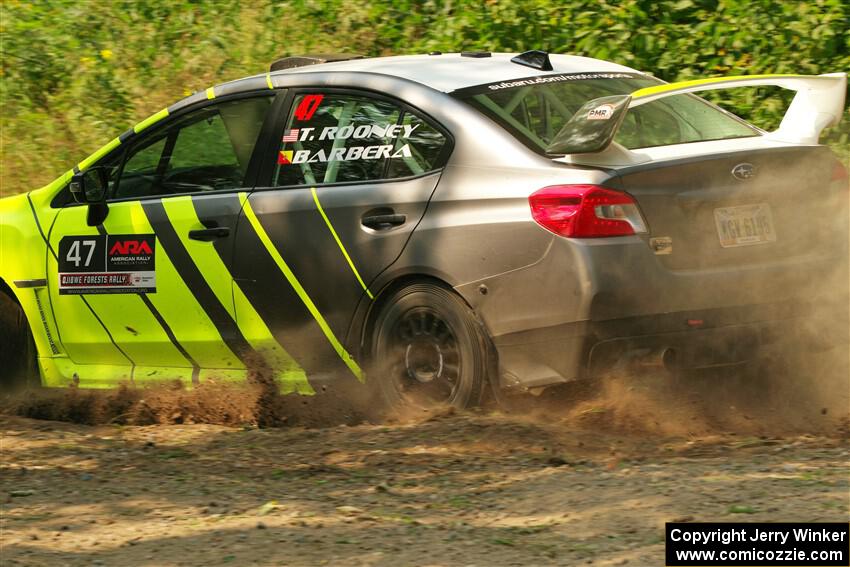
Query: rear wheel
[(428, 350), (18, 365)]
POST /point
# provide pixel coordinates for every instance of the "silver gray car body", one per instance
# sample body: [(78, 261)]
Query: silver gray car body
[(555, 308), (552, 304)]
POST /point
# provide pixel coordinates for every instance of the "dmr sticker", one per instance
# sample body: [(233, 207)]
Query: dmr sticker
[(115, 263), (601, 112)]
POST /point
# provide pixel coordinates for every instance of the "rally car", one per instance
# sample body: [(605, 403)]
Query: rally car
[(433, 225)]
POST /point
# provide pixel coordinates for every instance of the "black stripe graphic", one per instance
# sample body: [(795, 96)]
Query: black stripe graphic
[(269, 294), (111, 338), (195, 281), (280, 307), (82, 297), (196, 369), (38, 226)]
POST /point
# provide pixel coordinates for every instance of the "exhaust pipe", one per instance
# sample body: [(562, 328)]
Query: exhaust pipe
[(664, 357)]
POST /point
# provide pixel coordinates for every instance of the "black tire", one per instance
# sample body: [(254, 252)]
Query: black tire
[(428, 350), (18, 363)]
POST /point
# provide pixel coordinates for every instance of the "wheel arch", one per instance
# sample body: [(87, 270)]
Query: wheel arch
[(361, 327), (6, 289), (383, 298), (386, 291)]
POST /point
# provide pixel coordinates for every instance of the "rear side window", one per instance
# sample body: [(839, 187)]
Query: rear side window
[(535, 110), (344, 138)]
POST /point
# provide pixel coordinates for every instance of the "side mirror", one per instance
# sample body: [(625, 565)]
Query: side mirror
[(90, 186)]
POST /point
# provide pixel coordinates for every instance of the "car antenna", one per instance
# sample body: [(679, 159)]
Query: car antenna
[(535, 59)]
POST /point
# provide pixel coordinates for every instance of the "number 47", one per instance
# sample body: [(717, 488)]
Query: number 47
[(74, 252)]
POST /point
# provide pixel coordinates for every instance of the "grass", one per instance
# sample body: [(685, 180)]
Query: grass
[(75, 74)]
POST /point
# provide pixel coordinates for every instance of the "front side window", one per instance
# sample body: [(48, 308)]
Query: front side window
[(206, 150), (534, 110), (343, 138)]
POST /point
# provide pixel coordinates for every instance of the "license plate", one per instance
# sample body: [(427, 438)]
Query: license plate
[(745, 225)]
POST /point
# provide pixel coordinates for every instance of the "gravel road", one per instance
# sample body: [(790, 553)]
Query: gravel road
[(451, 489)]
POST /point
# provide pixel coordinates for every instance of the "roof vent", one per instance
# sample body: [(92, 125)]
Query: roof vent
[(311, 59), (476, 54), (535, 59)]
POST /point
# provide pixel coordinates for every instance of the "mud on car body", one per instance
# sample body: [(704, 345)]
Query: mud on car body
[(444, 222)]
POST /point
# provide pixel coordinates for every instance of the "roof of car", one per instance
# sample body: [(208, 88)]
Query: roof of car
[(448, 72)]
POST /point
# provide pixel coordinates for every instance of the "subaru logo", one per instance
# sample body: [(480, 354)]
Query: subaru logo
[(744, 171)]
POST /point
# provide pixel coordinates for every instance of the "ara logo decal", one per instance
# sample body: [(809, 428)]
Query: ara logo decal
[(601, 112), (126, 252), (308, 106), (131, 248)]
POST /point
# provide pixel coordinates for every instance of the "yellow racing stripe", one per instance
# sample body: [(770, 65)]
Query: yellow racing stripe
[(144, 124), (86, 163), (290, 376), (299, 289), (682, 85), (339, 243)]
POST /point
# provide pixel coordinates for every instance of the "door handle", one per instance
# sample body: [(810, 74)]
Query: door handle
[(209, 234), (383, 222)]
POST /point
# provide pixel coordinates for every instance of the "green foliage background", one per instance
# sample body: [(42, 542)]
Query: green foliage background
[(77, 73)]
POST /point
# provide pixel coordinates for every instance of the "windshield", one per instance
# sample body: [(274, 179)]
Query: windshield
[(535, 109)]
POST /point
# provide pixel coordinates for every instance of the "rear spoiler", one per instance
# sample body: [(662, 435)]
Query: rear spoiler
[(819, 103)]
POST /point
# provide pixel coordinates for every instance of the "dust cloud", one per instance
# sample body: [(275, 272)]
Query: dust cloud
[(801, 390), (258, 402)]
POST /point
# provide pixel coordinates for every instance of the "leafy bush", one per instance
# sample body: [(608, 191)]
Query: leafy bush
[(75, 74)]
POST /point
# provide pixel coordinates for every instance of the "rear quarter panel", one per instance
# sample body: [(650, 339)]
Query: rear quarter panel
[(478, 230)]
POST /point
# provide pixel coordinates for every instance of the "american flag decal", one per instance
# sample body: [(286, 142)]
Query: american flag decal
[(291, 136)]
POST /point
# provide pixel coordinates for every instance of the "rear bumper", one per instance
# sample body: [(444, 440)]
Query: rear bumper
[(629, 280), (699, 339), (712, 337), (617, 278), (586, 302)]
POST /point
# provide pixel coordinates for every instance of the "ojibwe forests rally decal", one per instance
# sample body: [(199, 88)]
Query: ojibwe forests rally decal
[(114, 263), (304, 112)]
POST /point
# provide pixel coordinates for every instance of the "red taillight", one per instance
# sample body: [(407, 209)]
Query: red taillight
[(586, 211)]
